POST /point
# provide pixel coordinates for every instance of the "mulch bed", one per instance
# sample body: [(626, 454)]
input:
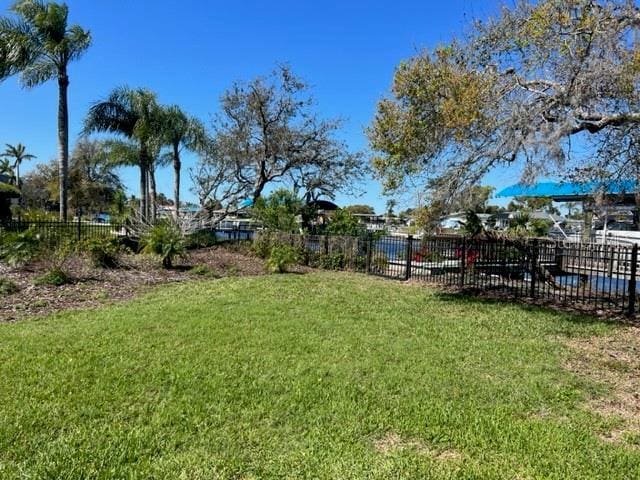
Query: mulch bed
[(92, 287)]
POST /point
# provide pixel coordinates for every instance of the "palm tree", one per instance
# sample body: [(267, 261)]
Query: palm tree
[(135, 115), (179, 131), (18, 153), (7, 170), (39, 43)]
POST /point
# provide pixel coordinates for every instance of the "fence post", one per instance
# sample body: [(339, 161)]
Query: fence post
[(409, 253), (633, 280), (463, 262), (369, 240), (79, 229), (534, 267)]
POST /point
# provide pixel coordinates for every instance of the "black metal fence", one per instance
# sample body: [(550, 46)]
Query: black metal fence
[(589, 275), (53, 230)]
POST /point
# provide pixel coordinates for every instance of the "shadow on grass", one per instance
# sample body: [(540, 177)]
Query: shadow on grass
[(583, 314)]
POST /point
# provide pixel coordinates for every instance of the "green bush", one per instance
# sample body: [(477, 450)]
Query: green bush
[(201, 239), (7, 287), (55, 277), (165, 240), (103, 252), (281, 257), (332, 261), (19, 248), (262, 245)]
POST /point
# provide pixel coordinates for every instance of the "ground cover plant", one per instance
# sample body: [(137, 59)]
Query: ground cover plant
[(323, 375)]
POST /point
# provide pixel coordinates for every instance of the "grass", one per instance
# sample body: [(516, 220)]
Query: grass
[(301, 376)]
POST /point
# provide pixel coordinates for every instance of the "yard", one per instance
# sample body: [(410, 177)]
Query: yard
[(316, 375)]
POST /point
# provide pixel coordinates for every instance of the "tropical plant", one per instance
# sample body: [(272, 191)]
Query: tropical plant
[(166, 240), (135, 115), (7, 170), (39, 43), (19, 248), (17, 153), (179, 131)]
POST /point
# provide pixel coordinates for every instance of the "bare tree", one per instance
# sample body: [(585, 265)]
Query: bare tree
[(268, 132)]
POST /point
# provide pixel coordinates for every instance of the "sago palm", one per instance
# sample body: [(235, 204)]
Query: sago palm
[(135, 115), (38, 42), (17, 154)]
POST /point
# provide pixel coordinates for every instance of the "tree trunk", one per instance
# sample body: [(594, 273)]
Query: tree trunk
[(63, 141), (154, 196), (176, 178), (143, 189)]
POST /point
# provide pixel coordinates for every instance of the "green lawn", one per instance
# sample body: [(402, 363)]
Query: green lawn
[(300, 376)]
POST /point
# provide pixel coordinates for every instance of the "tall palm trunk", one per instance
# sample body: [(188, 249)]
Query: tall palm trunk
[(154, 196), (177, 165), (63, 141), (143, 189)]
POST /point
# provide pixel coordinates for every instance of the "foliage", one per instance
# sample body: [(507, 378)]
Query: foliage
[(55, 277), (473, 225), (38, 43), (281, 258), (7, 287), (262, 244), (331, 261), (533, 204), (165, 240), (514, 92), (104, 252), (201, 239), (360, 209), (17, 153), (267, 131), (135, 115), (280, 211), (342, 222), (19, 248)]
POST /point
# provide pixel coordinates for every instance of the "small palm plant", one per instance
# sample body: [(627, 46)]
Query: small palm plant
[(166, 240)]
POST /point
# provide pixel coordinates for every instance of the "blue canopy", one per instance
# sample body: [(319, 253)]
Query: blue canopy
[(569, 190)]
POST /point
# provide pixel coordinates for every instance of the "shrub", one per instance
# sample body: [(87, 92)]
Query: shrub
[(281, 257), (19, 248), (103, 251), (201, 239), (165, 240), (332, 261), (262, 245), (55, 277), (7, 287)]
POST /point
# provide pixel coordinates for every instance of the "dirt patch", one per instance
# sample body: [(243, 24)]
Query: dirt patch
[(393, 442), (91, 287), (613, 360)]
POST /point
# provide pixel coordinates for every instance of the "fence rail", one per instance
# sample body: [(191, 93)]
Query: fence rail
[(600, 276)]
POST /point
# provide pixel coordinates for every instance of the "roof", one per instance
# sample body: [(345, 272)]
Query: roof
[(570, 191)]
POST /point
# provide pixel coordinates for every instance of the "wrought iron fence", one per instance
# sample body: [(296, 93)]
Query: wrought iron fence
[(594, 275), (77, 230)]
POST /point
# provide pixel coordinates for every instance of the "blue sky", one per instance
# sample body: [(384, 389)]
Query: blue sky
[(190, 51)]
